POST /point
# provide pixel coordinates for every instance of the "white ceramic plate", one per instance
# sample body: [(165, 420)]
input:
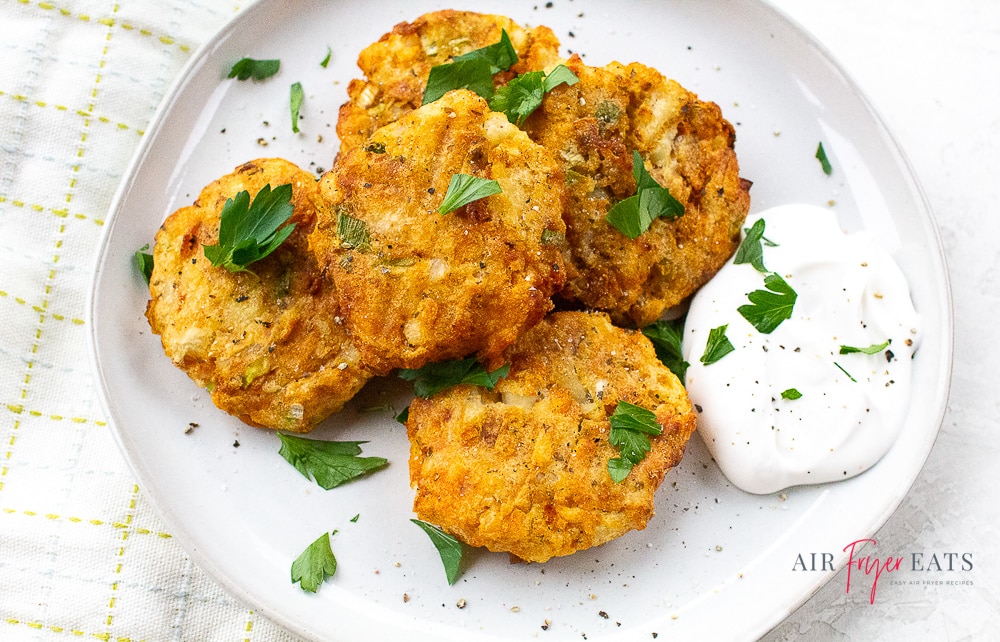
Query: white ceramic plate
[(715, 562)]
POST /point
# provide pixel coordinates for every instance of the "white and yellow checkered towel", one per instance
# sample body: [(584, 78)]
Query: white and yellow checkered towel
[(82, 555)]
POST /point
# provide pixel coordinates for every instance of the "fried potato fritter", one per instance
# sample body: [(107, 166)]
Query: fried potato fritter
[(425, 286), (397, 65), (524, 468), (266, 343), (592, 128)]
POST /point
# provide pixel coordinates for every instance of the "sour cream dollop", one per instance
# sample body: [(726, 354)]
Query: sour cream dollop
[(849, 293)]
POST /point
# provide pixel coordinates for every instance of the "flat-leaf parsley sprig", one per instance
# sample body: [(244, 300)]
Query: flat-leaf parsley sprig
[(473, 71), (631, 426), (249, 231), (635, 214), (247, 68), (717, 346), (874, 348), (436, 377), (768, 308), (448, 547), (143, 262), (751, 249), (666, 336), (519, 98), (464, 189), (314, 564), (328, 463)]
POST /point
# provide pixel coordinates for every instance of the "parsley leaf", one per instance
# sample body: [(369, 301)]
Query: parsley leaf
[(314, 565), (791, 394), (473, 71), (635, 214), (143, 262), (329, 463), (449, 548), (751, 250), (666, 337), (560, 74), (256, 69), (249, 232), (473, 74), (326, 61), (403, 416), (464, 188), (436, 377), (771, 306), (523, 95), (500, 55), (295, 101), (874, 348), (631, 426), (717, 346), (824, 162), (626, 217)]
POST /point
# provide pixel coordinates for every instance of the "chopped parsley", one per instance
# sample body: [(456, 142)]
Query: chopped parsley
[(256, 69), (717, 346), (751, 250), (352, 232), (315, 564), (874, 348), (326, 61), (143, 262), (631, 426), (666, 336), (328, 463), (523, 95), (437, 377), (635, 214), (249, 231), (473, 71), (295, 102), (449, 548), (841, 368), (464, 189), (403, 416), (824, 162), (768, 308), (791, 394)]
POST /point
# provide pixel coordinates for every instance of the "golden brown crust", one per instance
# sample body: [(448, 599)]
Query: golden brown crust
[(433, 287), (592, 127), (266, 343), (397, 65), (523, 469)]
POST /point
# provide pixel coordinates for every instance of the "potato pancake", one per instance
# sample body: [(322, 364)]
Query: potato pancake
[(397, 65), (268, 343), (592, 128), (417, 286), (524, 468)]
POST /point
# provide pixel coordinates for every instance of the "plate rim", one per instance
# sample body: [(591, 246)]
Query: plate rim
[(183, 535)]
